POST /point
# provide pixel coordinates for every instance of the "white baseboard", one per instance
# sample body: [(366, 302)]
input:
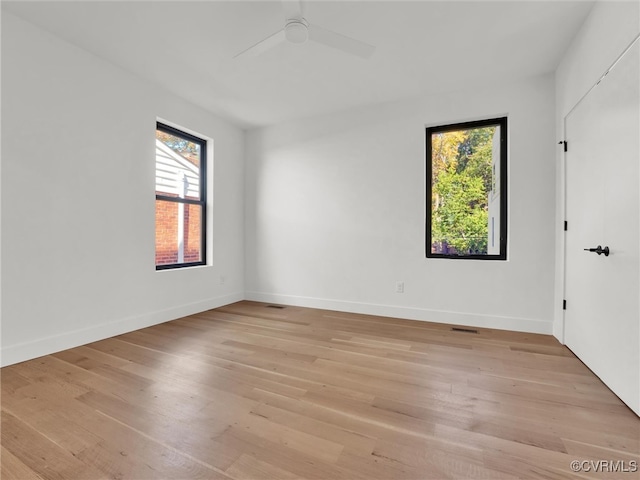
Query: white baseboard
[(439, 316), (44, 346)]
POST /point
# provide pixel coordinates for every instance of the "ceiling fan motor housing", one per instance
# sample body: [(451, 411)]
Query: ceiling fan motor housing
[(297, 30)]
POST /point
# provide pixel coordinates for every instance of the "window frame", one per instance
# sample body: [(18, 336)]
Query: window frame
[(496, 121), (202, 202)]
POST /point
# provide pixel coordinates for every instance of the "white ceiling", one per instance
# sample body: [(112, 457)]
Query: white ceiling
[(422, 46)]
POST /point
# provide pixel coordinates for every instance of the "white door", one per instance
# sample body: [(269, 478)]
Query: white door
[(602, 319)]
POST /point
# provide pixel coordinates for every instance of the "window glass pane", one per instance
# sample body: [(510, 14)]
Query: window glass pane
[(177, 166), (178, 233), (465, 165)]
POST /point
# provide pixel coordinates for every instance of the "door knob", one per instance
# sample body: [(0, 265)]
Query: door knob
[(599, 250)]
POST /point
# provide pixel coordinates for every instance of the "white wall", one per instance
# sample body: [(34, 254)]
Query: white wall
[(335, 212), (78, 155), (607, 32)]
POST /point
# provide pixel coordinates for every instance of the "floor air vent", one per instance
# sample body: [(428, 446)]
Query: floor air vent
[(279, 307), (464, 330)]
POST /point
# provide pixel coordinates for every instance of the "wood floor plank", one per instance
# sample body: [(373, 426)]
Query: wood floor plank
[(284, 457), (41, 455), (312, 445), (12, 467), (248, 391), (464, 464), (129, 453), (347, 440), (13, 381), (46, 414), (249, 468)]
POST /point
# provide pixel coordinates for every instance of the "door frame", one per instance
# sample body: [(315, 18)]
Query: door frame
[(559, 333)]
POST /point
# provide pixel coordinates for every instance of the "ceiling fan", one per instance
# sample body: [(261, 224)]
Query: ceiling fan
[(298, 30)]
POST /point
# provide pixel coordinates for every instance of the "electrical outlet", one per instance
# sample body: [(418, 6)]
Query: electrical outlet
[(399, 287)]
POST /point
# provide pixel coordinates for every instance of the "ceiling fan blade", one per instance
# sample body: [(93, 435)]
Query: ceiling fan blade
[(340, 42), (292, 9), (263, 45)]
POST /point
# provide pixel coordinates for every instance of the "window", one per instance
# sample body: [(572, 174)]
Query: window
[(467, 190), (181, 199)]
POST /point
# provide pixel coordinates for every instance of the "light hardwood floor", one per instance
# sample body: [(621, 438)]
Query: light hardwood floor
[(250, 392)]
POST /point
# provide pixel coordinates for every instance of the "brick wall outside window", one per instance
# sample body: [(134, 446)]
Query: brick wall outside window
[(167, 233)]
